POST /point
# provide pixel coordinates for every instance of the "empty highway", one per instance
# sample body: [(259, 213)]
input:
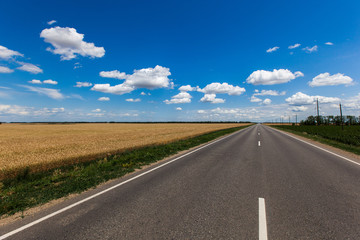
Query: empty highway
[(255, 184)]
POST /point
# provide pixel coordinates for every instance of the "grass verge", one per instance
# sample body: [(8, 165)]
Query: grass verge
[(313, 136), (32, 189)]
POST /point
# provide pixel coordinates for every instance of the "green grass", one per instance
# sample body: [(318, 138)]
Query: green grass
[(347, 139), (32, 189)]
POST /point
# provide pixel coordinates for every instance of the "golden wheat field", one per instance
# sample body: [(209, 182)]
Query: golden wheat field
[(44, 146)]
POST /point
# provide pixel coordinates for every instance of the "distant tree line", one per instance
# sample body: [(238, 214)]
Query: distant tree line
[(331, 120)]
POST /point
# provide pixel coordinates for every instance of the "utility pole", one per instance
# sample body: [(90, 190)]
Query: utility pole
[(317, 110), (341, 117), (289, 120), (296, 120)]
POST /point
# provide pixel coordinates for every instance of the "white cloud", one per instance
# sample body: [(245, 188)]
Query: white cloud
[(262, 77), (296, 45), (300, 98), (117, 89), (325, 79), (35, 81), (5, 70), (51, 22), (104, 99), (113, 74), (6, 53), (14, 109), (352, 102), (51, 93), (267, 101), (182, 97), (211, 97), (149, 78), (83, 84), (310, 49), (222, 88), (255, 99), (272, 49), (187, 88), (269, 93), (329, 43), (133, 100), (31, 68), (178, 109), (96, 110), (49, 81), (29, 111), (298, 108), (67, 42)]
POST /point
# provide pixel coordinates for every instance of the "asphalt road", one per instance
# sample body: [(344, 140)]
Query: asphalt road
[(257, 183)]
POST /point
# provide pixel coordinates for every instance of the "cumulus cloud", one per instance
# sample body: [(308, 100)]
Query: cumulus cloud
[(262, 77), (300, 98), (211, 98), (182, 97), (117, 89), (267, 101), (31, 68), (310, 49), (178, 109), (96, 110), (50, 81), (103, 99), (255, 99), (187, 88), (6, 53), (83, 84), (269, 93), (133, 100), (51, 93), (5, 70), (51, 22), (222, 88), (149, 78), (298, 108), (296, 45), (325, 79), (113, 74), (68, 43), (272, 49), (329, 43), (35, 81)]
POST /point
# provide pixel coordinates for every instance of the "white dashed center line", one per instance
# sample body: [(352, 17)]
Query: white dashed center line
[(259, 144), (262, 220)]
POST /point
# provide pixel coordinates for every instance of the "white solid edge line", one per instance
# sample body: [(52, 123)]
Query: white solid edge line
[(345, 158), (109, 189), (262, 220)]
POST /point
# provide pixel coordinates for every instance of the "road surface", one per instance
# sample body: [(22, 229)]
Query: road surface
[(255, 184)]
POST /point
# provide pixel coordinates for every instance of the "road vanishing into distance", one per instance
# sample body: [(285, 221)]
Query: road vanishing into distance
[(257, 183)]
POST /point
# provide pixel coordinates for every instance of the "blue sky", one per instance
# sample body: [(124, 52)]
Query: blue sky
[(178, 60)]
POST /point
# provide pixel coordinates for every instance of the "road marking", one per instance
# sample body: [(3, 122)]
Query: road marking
[(109, 189), (262, 220), (259, 144), (345, 158), (258, 133)]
